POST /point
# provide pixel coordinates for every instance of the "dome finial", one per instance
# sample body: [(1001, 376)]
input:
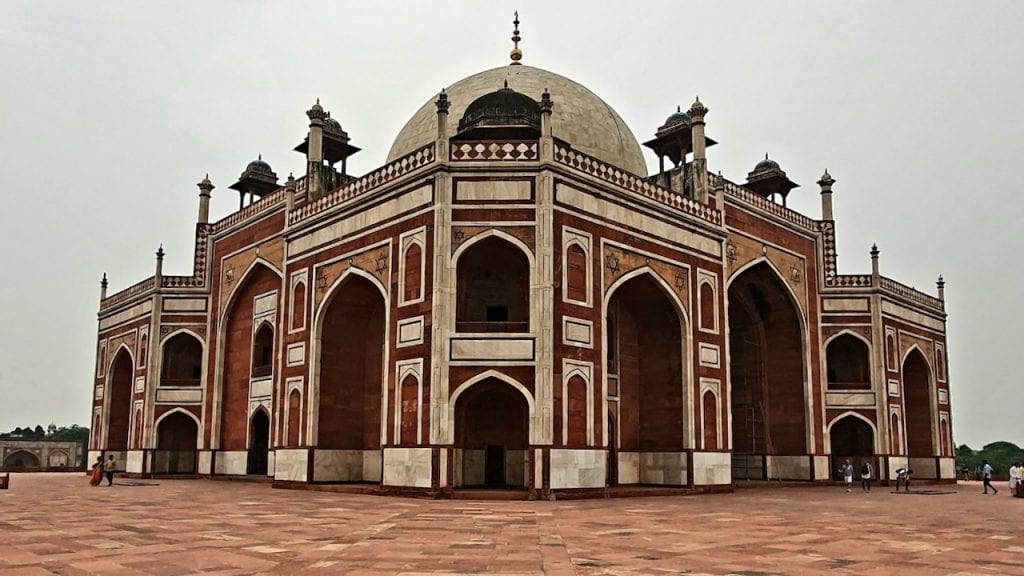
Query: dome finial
[(516, 53)]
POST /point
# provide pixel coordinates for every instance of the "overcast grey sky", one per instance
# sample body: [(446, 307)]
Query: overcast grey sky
[(110, 112)]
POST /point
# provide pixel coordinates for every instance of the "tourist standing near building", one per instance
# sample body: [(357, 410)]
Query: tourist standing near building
[(1015, 474), (865, 476), (986, 478), (903, 475), (108, 469), (847, 470)]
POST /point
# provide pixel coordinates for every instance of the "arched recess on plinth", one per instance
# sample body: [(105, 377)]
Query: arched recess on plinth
[(350, 351), (259, 443), (177, 438), (491, 419), (235, 363), (767, 370), (647, 362), (21, 459), (920, 415), (852, 436), (120, 382)]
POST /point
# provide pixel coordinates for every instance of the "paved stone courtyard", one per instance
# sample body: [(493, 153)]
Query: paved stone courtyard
[(57, 524)]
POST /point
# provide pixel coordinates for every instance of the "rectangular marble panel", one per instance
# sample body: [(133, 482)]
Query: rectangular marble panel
[(943, 396), (913, 316), (193, 395), (712, 468), (233, 462), (515, 467), (126, 315), (489, 349), (410, 331), (923, 468), (850, 399), (492, 191), (668, 468), (789, 468), (821, 468), (710, 355), (407, 467), (629, 467), (264, 304), (133, 461), (261, 388), (895, 463), (748, 467), (204, 462), (845, 305), (337, 465), (894, 387), (470, 467), (296, 354), (947, 468), (184, 304), (140, 384), (99, 392), (578, 468), (637, 220), (291, 464), (364, 219), (577, 332), (373, 465)]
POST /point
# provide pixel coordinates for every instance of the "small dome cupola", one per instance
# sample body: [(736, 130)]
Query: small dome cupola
[(674, 138), (257, 180), (768, 179), (504, 113), (677, 117)]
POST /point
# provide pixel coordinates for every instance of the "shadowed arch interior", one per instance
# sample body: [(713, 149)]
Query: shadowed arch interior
[(769, 414), (493, 288), (351, 352), (21, 459), (916, 384), (851, 438), (177, 436), (182, 363), (849, 365), (120, 384), (646, 370), (259, 443), (491, 434)]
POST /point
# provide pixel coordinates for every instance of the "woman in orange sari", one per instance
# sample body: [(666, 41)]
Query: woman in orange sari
[(97, 472)]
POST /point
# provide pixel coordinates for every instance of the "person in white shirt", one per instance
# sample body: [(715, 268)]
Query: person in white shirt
[(1015, 474), (986, 478)]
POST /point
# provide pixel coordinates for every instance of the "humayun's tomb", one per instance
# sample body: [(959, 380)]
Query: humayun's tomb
[(513, 301)]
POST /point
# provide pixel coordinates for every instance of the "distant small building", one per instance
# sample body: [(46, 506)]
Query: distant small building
[(40, 454)]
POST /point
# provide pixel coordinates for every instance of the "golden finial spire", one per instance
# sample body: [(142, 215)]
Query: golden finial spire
[(516, 54)]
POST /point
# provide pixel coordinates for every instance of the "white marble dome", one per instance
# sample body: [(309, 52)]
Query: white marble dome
[(579, 116)]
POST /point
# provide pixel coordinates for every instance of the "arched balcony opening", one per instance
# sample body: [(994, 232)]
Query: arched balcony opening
[(493, 288)]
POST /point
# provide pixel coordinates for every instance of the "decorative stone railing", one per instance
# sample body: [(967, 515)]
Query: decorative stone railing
[(375, 179), (594, 167), (895, 288), (137, 289), (852, 281), (747, 197), (260, 206), (491, 151)]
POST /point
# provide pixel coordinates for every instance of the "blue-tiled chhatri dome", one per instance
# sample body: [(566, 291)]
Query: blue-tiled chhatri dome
[(677, 117), (766, 164)]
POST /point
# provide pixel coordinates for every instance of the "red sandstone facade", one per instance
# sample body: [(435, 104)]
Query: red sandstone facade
[(506, 304)]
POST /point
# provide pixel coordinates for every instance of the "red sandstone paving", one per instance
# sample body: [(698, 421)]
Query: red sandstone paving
[(56, 524)]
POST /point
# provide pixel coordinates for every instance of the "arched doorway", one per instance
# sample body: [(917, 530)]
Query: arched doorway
[(919, 418), (647, 380), (853, 438), (238, 359), (120, 407), (766, 371), (491, 435), (21, 459), (351, 364), (259, 443), (493, 288), (177, 439)]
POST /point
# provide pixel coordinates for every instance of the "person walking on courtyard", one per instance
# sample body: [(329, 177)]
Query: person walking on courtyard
[(865, 476), (97, 472), (847, 471), (1015, 475), (903, 475), (986, 478), (108, 469)]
